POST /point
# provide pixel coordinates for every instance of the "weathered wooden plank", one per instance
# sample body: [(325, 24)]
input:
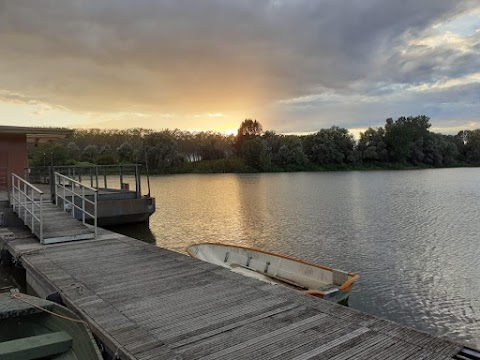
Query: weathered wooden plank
[(172, 329), (232, 325), (397, 351), (330, 329), (176, 310), (246, 332), (273, 336), (321, 349), (149, 303), (354, 348)]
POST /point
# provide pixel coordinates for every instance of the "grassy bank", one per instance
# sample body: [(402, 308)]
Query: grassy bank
[(236, 165)]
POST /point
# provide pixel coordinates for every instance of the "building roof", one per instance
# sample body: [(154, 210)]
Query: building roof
[(35, 131), (37, 134)]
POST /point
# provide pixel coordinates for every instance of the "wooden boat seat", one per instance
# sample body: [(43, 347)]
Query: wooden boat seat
[(36, 347), (12, 307)]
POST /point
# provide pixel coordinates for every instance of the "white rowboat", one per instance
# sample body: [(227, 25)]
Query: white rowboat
[(313, 279)]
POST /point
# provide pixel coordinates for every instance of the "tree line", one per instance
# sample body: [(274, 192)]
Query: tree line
[(401, 143)]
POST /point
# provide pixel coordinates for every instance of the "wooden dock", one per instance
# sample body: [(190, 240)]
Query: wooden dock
[(59, 226), (144, 302)]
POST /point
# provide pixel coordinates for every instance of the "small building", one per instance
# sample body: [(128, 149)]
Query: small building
[(13, 147)]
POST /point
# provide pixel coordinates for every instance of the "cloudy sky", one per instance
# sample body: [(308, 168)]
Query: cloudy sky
[(294, 65)]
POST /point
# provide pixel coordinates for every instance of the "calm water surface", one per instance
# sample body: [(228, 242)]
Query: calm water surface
[(411, 235)]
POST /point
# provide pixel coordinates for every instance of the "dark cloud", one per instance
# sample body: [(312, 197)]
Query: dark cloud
[(221, 55)]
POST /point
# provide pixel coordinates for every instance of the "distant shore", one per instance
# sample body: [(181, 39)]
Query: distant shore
[(236, 165)]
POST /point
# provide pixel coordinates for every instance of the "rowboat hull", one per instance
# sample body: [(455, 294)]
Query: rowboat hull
[(313, 279), (35, 328)]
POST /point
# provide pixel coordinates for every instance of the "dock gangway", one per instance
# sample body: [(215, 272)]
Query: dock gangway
[(55, 222)]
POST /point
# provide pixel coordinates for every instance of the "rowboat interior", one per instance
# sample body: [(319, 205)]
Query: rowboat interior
[(313, 279)]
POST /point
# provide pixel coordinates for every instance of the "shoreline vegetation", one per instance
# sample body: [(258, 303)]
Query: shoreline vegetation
[(403, 144)]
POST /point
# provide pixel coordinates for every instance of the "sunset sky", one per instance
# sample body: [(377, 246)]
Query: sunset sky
[(295, 65)]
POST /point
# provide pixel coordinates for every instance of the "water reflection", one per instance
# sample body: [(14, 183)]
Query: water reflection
[(140, 231), (12, 277), (412, 235)]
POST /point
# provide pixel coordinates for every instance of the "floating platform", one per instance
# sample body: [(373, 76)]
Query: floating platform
[(144, 302), (119, 191), (116, 207)]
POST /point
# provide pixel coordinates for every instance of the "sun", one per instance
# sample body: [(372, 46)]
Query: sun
[(227, 132)]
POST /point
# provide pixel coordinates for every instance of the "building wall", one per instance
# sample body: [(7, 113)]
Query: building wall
[(13, 154)]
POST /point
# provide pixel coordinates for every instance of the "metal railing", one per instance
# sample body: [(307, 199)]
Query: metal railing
[(120, 177), (65, 190), (105, 176), (28, 200)]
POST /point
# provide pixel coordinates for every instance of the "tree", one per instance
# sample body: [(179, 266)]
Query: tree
[(404, 138), (254, 152), (161, 151), (125, 152), (372, 146), (330, 146), (472, 146), (48, 153), (290, 151), (106, 159), (90, 153), (106, 149), (73, 151), (440, 150), (212, 146), (248, 130)]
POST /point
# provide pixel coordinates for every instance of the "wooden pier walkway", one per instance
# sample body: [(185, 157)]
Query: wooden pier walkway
[(59, 226), (144, 302)]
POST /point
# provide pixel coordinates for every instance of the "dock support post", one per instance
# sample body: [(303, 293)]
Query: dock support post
[(83, 205), (41, 218), (121, 176), (72, 188), (95, 195), (13, 193), (25, 203), (52, 183), (138, 182), (56, 188), (33, 208), (96, 177), (105, 177)]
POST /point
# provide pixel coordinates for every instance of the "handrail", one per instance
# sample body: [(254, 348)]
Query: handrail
[(73, 181), (111, 177), (69, 196), (100, 166), (96, 173), (24, 204)]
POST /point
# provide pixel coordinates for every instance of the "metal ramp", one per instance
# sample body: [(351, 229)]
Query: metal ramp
[(53, 223)]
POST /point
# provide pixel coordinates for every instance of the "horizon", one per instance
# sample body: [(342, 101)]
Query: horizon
[(295, 66)]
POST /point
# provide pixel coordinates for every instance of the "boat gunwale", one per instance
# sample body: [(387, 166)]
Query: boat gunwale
[(353, 277)]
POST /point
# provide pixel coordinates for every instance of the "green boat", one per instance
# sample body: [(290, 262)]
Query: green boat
[(33, 328)]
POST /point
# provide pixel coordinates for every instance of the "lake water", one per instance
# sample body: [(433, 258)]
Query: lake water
[(413, 236)]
